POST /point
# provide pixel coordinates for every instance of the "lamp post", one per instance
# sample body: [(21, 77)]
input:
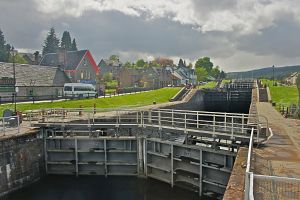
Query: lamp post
[(14, 74), (273, 74)]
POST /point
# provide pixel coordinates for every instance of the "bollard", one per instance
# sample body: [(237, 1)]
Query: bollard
[(94, 108), (80, 110), (43, 115)]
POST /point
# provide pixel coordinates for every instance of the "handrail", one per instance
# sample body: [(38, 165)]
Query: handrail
[(219, 123)]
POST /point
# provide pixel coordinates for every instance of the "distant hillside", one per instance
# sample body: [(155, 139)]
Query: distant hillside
[(279, 72)]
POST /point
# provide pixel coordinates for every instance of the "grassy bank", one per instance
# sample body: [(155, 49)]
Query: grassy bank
[(282, 94), (139, 99), (210, 84)]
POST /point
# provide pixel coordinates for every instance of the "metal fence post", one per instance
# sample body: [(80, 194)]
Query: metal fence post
[(214, 123), (3, 122), (197, 119), (172, 117), (243, 118), (18, 120)]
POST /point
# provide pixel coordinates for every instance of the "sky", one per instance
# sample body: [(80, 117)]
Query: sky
[(237, 35)]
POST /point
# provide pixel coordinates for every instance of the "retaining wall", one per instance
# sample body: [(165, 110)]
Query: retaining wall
[(21, 162)]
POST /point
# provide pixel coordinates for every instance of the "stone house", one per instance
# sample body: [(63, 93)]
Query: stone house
[(33, 80), (108, 66), (128, 77), (79, 66), (291, 79)]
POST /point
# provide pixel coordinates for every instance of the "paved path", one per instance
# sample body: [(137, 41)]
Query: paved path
[(279, 157)]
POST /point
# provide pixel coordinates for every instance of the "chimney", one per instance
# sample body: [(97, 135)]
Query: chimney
[(36, 58), (61, 57)]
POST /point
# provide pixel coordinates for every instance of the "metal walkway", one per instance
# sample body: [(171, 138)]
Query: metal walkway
[(230, 126)]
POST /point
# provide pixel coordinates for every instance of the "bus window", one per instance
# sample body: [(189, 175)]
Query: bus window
[(68, 88)]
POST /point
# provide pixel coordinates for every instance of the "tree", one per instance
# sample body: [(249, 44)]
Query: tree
[(181, 63), (4, 48), (17, 59), (51, 43), (163, 62), (66, 42), (108, 77), (205, 63), (74, 45), (127, 65), (215, 72), (222, 74), (190, 65), (140, 63), (201, 74), (114, 58)]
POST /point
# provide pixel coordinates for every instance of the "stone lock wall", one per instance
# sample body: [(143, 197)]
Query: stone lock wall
[(21, 162)]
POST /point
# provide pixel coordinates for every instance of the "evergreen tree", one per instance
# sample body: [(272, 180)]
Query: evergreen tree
[(74, 45), (66, 42), (51, 43), (4, 48), (181, 63)]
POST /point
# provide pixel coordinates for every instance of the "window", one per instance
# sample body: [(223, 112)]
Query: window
[(81, 75), (68, 88)]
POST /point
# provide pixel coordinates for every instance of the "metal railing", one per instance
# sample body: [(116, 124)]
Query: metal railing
[(9, 125), (268, 187), (215, 123)]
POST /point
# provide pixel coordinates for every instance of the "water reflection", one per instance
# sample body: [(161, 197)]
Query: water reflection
[(98, 188)]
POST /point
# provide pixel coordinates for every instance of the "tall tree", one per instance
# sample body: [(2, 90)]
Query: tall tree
[(51, 43), (205, 63), (127, 65), (66, 42), (181, 63), (74, 45), (114, 58), (163, 62), (4, 48), (140, 63), (201, 74), (17, 58), (222, 74), (215, 72)]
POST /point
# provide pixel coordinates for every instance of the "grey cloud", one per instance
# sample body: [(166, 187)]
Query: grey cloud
[(109, 32)]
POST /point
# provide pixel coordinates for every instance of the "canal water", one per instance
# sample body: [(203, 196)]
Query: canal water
[(100, 188)]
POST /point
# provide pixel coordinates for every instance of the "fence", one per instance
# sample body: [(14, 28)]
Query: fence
[(33, 98), (9, 125), (226, 125), (287, 111), (268, 187)]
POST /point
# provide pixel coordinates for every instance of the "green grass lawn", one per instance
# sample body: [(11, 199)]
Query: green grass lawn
[(210, 84), (282, 94), (139, 99), (225, 81)]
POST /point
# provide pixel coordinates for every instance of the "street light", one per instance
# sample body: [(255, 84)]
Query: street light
[(273, 75), (14, 74)]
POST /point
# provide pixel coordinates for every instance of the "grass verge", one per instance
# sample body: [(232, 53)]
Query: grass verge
[(140, 99)]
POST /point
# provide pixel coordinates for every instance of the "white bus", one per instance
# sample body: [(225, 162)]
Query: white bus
[(79, 90)]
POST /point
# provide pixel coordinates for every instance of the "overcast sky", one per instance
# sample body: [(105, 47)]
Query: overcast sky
[(236, 34)]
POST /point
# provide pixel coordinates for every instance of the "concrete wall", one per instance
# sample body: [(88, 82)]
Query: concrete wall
[(21, 162), (218, 101)]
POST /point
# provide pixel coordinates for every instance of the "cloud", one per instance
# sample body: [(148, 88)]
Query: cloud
[(236, 34), (238, 16)]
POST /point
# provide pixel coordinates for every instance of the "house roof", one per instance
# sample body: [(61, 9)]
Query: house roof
[(109, 63), (27, 75), (73, 59)]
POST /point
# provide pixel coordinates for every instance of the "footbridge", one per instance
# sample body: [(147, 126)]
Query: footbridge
[(228, 126)]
